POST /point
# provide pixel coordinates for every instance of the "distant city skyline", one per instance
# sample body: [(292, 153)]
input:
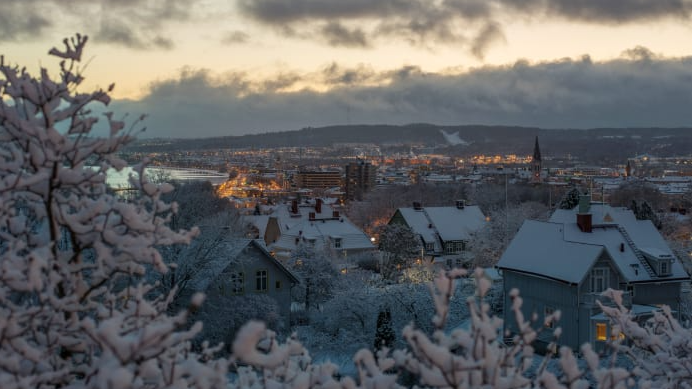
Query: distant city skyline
[(211, 68)]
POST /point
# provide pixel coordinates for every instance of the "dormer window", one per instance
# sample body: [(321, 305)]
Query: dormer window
[(664, 268), (337, 243)]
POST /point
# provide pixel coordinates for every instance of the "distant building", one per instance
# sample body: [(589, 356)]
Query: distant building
[(319, 179), (536, 163), (360, 178)]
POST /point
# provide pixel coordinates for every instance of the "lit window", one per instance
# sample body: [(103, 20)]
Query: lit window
[(261, 278), (601, 329)]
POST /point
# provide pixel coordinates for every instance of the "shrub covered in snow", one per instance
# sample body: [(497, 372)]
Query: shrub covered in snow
[(73, 305)]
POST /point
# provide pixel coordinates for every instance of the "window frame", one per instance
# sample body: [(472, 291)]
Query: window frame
[(237, 282), (604, 277), (262, 279)]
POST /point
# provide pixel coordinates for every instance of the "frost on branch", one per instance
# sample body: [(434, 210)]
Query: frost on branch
[(74, 310)]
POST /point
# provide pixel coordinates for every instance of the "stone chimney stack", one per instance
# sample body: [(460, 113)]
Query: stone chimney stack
[(318, 205), (584, 218)]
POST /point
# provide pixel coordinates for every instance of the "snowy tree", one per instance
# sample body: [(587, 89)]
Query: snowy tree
[(488, 244), (316, 273), (570, 199), (73, 305), (400, 246), (186, 260), (384, 334)]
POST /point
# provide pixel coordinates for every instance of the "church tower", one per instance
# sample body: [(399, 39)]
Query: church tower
[(536, 164)]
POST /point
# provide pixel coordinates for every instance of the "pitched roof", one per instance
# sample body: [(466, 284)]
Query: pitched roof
[(322, 231), (451, 223), (559, 249), (540, 248), (229, 253)]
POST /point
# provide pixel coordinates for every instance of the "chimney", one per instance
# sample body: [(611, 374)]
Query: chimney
[(318, 205), (461, 204), (417, 206), (335, 214), (294, 206), (584, 220), (311, 216)]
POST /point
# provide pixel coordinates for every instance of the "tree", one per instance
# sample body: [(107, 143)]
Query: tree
[(384, 334), (73, 257), (316, 273), (399, 246), (570, 199), (488, 244)]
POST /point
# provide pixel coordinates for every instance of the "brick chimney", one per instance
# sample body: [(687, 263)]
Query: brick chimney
[(311, 216), (294, 206), (584, 219), (318, 205)]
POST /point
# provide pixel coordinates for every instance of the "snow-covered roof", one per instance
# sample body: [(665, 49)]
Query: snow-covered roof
[(559, 249), (225, 254), (540, 248), (450, 223), (324, 231)]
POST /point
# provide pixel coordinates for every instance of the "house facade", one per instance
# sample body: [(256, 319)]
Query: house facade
[(243, 267), (444, 232), (567, 263)]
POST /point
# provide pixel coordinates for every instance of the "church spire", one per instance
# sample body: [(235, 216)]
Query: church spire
[(536, 163)]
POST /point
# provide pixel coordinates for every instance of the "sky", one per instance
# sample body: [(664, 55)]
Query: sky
[(202, 68)]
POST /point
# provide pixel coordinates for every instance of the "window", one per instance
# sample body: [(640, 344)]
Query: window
[(261, 278), (238, 283), (548, 311), (630, 290), (599, 279), (337, 243), (278, 284), (664, 267), (601, 329), (430, 246)]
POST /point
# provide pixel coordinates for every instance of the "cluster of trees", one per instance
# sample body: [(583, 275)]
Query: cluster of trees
[(82, 303)]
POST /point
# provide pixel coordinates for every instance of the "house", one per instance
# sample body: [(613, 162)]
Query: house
[(567, 262), (242, 267), (444, 231), (317, 224)]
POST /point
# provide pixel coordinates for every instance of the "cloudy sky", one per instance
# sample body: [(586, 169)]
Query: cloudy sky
[(231, 67)]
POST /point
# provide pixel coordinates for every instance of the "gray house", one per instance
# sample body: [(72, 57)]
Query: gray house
[(566, 263), (444, 231), (238, 270)]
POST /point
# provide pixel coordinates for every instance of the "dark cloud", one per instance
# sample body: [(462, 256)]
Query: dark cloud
[(473, 24), (138, 24), (339, 35), (485, 38), (558, 94), (16, 23)]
